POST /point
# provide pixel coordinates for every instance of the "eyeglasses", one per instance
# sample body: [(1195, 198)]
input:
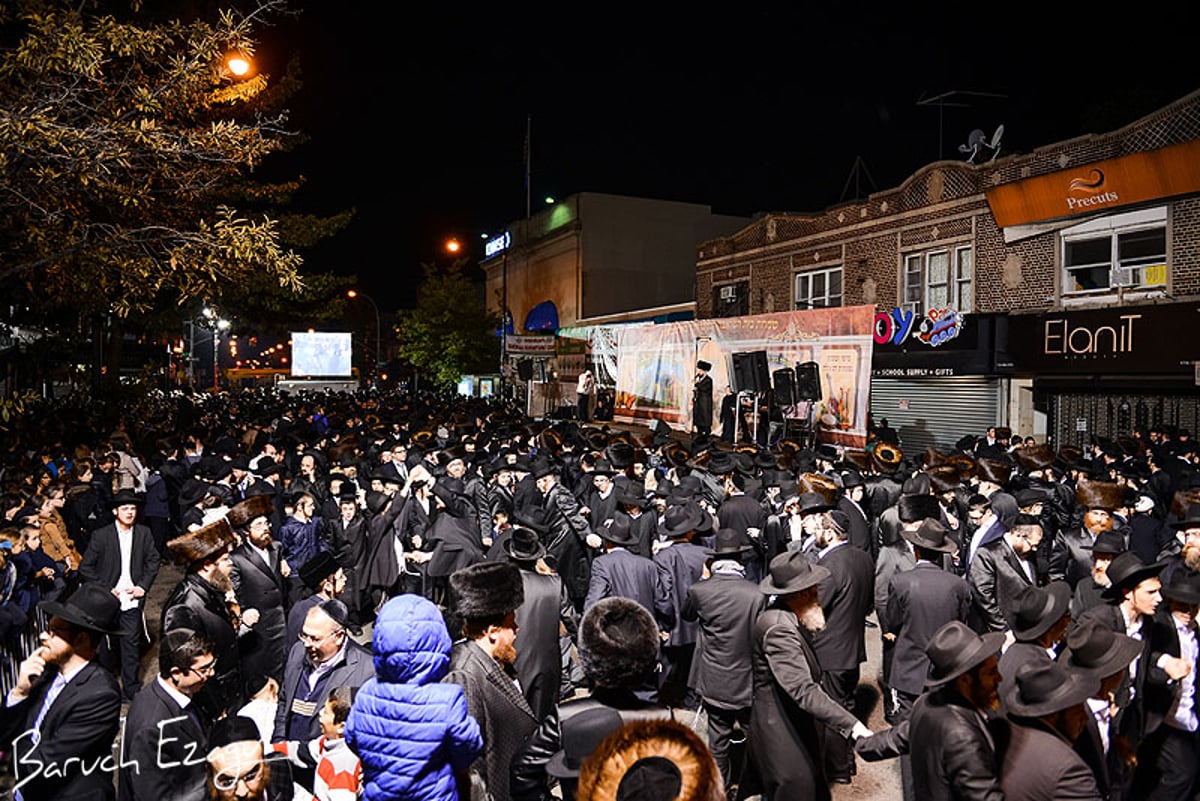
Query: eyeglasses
[(228, 781), (64, 633), (308, 639), (205, 670)]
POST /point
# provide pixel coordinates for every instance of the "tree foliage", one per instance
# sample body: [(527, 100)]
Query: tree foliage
[(449, 332), (121, 145)]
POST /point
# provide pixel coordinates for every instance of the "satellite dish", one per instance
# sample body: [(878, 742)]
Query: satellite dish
[(977, 140), (995, 143)]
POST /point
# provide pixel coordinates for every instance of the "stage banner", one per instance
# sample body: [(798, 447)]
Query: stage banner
[(656, 364)]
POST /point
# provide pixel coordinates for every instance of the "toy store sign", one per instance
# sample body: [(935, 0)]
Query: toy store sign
[(934, 328), (1134, 339)]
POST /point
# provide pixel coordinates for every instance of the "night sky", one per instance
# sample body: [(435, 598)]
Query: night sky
[(418, 119)]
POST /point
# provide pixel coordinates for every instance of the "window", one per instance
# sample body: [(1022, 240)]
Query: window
[(818, 289), (1122, 250), (731, 300), (938, 279)]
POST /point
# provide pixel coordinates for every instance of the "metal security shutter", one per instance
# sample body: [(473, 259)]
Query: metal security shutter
[(940, 410)]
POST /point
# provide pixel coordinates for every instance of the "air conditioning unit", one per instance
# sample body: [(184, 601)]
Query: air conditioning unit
[(729, 293)]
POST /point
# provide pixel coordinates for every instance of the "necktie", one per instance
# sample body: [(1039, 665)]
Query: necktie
[(55, 688)]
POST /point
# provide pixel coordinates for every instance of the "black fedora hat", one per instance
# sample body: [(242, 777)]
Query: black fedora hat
[(813, 502), (1095, 648), (618, 531), (1184, 587), (1109, 542), (1036, 609), (729, 543), (721, 463), (931, 535), (955, 648), (1126, 570), (90, 607), (524, 545), (127, 496), (1043, 688), (604, 468), (580, 736), (682, 518), (791, 572)]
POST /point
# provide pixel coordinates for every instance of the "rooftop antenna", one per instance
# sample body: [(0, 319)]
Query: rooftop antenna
[(856, 172), (955, 98)]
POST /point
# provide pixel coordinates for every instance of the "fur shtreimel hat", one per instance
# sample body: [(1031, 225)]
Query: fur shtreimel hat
[(244, 513), (486, 590), (618, 642), (1039, 457), (994, 470), (197, 546), (818, 483), (1106, 495)]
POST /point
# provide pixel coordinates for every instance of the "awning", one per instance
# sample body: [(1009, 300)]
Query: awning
[(542, 317)]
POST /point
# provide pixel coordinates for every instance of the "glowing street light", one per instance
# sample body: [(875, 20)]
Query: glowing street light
[(453, 246), (238, 64)]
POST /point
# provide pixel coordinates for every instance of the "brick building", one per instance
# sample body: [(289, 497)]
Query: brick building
[(1037, 290)]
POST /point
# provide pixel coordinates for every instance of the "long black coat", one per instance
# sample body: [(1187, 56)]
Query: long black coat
[(197, 605), (1037, 764), (539, 662), (622, 573), (176, 743), (790, 711), (504, 717), (702, 403), (81, 724), (952, 754), (997, 577), (566, 540), (261, 586), (348, 543), (725, 606)]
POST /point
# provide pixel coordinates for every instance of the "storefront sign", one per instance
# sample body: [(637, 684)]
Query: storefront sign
[(524, 345), (1135, 178), (911, 372), (497, 245), (933, 328), (1142, 339)]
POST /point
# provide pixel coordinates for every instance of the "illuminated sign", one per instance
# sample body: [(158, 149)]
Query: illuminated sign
[(932, 329), (497, 245)]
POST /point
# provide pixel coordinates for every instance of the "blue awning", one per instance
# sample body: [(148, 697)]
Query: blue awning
[(542, 317)]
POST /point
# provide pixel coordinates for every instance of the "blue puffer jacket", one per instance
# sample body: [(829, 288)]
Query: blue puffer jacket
[(411, 732)]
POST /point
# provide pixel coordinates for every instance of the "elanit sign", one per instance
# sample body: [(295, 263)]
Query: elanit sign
[(1062, 338), (497, 245)]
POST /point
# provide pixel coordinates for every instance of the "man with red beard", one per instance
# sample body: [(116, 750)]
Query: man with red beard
[(1071, 554), (486, 595), (1188, 558)]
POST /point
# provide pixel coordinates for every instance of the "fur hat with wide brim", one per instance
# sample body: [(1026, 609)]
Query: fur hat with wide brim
[(618, 643), (1037, 457), (486, 590), (1107, 495), (651, 759), (245, 512), (821, 484), (994, 470), (203, 543)]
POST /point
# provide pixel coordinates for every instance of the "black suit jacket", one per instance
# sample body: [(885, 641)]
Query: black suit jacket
[(847, 597), (726, 605), (160, 733), (356, 667), (81, 724), (920, 602), (102, 561), (260, 586)]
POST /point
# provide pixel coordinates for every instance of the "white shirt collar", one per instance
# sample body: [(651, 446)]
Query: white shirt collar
[(176, 696)]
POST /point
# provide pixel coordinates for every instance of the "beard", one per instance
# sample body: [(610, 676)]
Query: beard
[(221, 581), (505, 654), (1100, 576), (813, 618), (1191, 558)]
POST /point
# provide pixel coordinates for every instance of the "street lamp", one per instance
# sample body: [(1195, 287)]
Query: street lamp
[(354, 293)]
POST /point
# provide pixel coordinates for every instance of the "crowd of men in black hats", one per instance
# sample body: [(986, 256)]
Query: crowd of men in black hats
[(1035, 607)]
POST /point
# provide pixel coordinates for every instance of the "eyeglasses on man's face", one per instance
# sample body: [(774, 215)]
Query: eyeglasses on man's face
[(309, 639), (209, 669)]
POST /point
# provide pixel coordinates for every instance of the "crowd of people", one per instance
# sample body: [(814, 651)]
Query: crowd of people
[(554, 605)]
